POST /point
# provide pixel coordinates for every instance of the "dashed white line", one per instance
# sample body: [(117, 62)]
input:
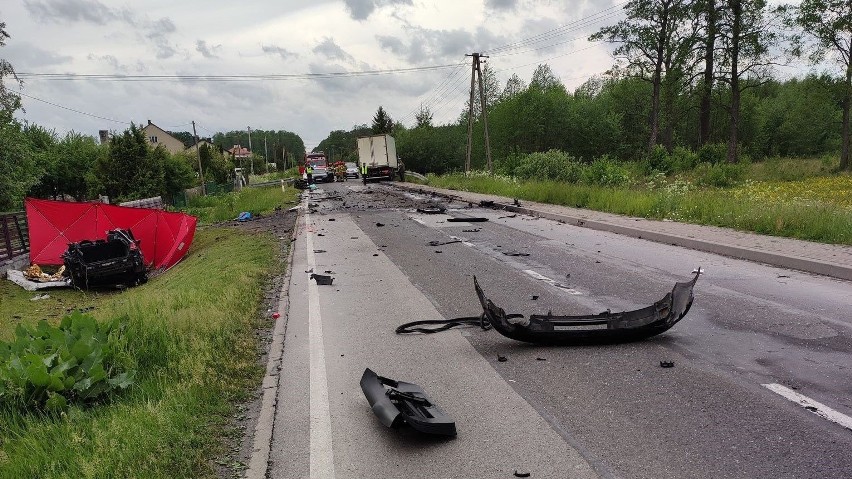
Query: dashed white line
[(551, 282), (321, 451), (811, 405), (419, 221)]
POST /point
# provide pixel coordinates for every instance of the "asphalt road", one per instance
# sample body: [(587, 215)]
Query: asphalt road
[(578, 411)]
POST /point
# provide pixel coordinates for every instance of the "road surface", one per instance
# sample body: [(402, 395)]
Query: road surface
[(761, 384)]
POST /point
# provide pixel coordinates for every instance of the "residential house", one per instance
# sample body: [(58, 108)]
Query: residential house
[(156, 136)]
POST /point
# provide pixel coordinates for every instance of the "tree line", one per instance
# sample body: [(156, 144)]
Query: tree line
[(694, 74)]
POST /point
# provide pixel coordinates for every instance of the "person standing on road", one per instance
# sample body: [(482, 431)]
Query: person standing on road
[(364, 172), (309, 170), (401, 170)]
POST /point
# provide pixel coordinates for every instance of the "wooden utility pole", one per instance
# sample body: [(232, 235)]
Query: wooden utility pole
[(198, 154), (476, 71)]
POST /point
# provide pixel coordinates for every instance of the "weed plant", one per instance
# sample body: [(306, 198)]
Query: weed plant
[(190, 333)]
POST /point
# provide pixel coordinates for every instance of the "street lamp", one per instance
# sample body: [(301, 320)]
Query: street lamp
[(251, 155)]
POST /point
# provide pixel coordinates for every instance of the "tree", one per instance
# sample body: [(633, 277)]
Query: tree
[(709, 17), (651, 34), (514, 85), (828, 23), (543, 79), (423, 118), (186, 137), (491, 87), (382, 122), (745, 36), (9, 101)]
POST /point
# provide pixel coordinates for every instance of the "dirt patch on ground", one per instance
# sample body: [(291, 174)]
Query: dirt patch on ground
[(239, 432)]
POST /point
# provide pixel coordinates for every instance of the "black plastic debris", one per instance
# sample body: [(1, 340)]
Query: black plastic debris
[(508, 216), (516, 202), (375, 254), (515, 253), (541, 359), (466, 220), (320, 234), (380, 224), (666, 364), (322, 279), (441, 243), (474, 230), (522, 474), (486, 203), (396, 403), (431, 211), (319, 251), (438, 251), (502, 359), (331, 219), (534, 297), (117, 260)]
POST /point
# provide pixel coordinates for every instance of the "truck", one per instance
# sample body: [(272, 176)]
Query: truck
[(317, 160), (378, 152)]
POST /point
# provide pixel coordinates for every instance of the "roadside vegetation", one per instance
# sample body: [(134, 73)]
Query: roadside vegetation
[(227, 206), (760, 197), (189, 338)]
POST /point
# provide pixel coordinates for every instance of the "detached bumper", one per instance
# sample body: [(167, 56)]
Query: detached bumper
[(603, 327), (396, 403)]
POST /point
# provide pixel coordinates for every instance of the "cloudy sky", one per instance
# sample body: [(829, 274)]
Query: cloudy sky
[(290, 63)]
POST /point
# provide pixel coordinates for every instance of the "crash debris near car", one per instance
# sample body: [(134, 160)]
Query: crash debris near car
[(397, 403), (563, 329)]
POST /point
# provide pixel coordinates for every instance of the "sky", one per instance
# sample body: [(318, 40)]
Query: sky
[(296, 65)]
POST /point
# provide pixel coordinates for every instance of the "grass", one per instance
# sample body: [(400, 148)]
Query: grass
[(260, 200), (191, 333), (818, 208)]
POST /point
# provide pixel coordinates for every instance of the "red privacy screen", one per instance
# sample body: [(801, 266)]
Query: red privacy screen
[(165, 237)]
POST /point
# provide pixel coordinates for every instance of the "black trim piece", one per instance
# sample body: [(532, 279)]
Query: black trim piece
[(396, 403)]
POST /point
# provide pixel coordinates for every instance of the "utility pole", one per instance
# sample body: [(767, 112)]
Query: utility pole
[(265, 153), (476, 71), (251, 153), (198, 153)]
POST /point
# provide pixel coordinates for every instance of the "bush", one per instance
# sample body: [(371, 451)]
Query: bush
[(47, 367), (552, 165), (605, 171), (722, 175), (713, 153)]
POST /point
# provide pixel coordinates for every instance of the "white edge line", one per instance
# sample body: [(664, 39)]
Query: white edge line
[(321, 450), (811, 405), (552, 282)]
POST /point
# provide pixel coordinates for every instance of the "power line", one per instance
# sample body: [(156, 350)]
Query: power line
[(222, 78), (70, 109)]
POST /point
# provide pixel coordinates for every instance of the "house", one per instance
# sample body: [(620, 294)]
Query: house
[(239, 153), (209, 143), (156, 136)]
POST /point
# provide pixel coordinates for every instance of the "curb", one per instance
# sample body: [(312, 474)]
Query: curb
[(262, 445), (775, 259)]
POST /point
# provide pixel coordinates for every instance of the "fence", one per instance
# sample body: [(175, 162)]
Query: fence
[(14, 235)]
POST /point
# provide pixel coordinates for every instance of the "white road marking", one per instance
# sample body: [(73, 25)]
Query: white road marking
[(321, 451), (815, 407), (419, 221), (551, 282)]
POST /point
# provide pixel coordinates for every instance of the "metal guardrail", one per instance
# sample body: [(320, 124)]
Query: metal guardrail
[(14, 235)]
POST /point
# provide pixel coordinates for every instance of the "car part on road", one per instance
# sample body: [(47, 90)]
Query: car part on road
[(466, 220), (666, 364), (486, 203), (603, 327), (606, 327), (441, 243), (431, 211), (322, 279), (515, 253), (475, 230), (396, 403)]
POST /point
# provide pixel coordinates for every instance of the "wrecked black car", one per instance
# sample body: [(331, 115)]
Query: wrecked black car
[(117, 260)]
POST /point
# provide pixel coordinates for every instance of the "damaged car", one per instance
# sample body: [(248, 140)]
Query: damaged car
[(117, 260)]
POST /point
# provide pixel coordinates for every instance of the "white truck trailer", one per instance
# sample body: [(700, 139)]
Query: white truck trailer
[(378, 152)]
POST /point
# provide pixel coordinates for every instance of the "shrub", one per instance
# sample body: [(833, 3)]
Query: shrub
[(658, 160), (683, 159), (605, 171), (47, 367), (722, 175), (552, 165), (713, 153)]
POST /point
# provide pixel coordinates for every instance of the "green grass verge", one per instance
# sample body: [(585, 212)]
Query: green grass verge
[(811, 218), (191, 332), (260, 200)]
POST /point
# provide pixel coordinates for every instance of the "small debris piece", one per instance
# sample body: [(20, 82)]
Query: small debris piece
[(508, 216), (375, 254), (331, 219), (515, 253), (502, 359), (276, 315), (440, 243), (328, 271), (812, 408), (39, 297), (486, 203), (541, 359), (438, 251), (319, 251), (783, 276), (380, 224), (475, 230), (666, 364), (322, 279), (466, 220), (320, 234), (516, 202), (431, 211), (522, 474), (596, 261), (353, 237), (534, 297)]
